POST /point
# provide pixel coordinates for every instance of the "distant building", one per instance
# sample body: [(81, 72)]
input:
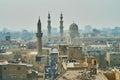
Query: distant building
[(99, 56), (7, 36), (96, 32), (26, 36), (88, 29), (97, 46), (116, 31), (113, 59), (31, 45)]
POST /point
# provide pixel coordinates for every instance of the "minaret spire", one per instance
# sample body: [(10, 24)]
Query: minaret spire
[(61, 16), (39, 25), (39, 37), (61, 25), (39, 20), (48, 15), (49, 26)]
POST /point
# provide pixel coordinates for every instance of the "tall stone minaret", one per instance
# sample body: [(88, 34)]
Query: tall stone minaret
[(49, 26), (61, 25), (39, 37)]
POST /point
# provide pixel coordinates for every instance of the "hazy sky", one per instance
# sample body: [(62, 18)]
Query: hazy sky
[(19, 14)]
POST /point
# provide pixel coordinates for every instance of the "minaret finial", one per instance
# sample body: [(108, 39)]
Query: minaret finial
[(61, 16), (61, 25), (39, 20), (61, 13), (48, 15), (49, 26)]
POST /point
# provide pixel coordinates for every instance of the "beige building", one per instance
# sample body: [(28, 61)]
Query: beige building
[(113, 58), (117, 74), (70, 52), (62, 48), (91, 61), (13, 72), (97, 47), (75, 52), (6, 55)]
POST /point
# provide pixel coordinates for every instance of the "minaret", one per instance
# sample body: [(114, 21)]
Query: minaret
[(49, 26), (39, 37), (61, 25)]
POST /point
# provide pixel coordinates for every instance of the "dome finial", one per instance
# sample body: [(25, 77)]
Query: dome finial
[(73, 21)]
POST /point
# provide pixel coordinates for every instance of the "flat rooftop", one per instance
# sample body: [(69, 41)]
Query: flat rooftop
[(81, 75)]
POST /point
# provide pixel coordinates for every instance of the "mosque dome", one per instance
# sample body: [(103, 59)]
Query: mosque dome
[(73, 27), (54, 50), (73, 31)]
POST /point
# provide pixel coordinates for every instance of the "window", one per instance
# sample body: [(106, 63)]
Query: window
[(4, 68), (114, 59), (13, 77), (18, 68)]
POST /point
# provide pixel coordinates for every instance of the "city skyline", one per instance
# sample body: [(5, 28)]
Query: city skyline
[(17, 15)]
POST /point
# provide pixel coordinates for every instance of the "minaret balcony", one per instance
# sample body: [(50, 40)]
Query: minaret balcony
[(39, 34)]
